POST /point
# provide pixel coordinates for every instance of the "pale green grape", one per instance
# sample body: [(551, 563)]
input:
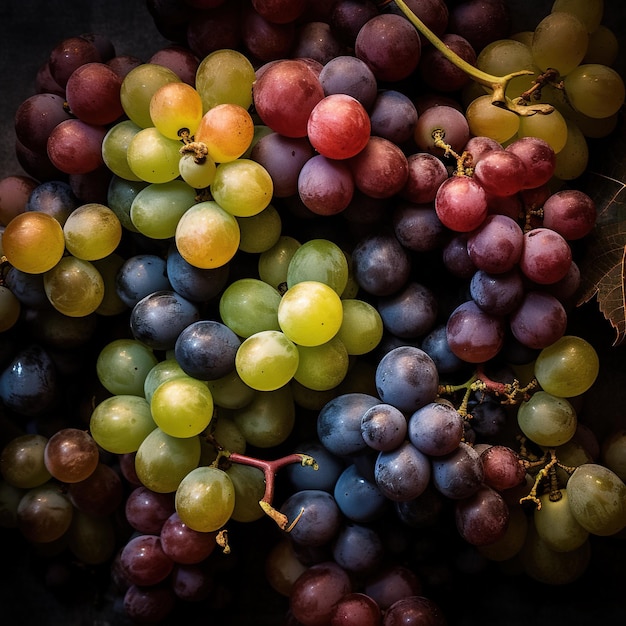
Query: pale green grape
[(228, 435), (242, 187), (560, 42), (523, 36), (249, 484), (182, 406), (248, 306), (322, 367), (261, 231), (176, 110), (74, 287), (274, 263), (230, 392), (138, 87), (603, 46), (572, 160), (115, 148), (551, 128), (162, 461), (266, 360), (595, 90), (10, 308), (157, 209), (161, 372), (120, 196), (225, 76), (505, 56), (153, 157), (597, 499), (510, 544), (310, 313), (119, 424), (556, 525), (268, 420), (108, 267), (197, 173), (570, 454), (207, 236), (547, 420), (589, 12), (92, 231), (205, 499), (361, 328), (122, 366), (319, 260), (487, 120), (568, 367)]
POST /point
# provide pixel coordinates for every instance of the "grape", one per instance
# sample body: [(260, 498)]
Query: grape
[(35, 118), (496, 245), (319, 518), (546, 256), (414, 610), (147, 511), (22, 461), (179, 59), (445, 122), (322, 367), (426, 173), (325, 186), (590, 13), (350, 76), (182, 544), (176, 110), (205, 499), (439, 73), (482, 518), (547, 420), (410, 313), (44, 513), (573, 159), (550, 128), (356, 609), (197, 172), (383, 427), (461, 203), (152, 157), (595, 90), (504, 56), (538, 157), (361, 328), (497, 294), (120, 196), (403, 473), (320, 260), (459, 474), (249, 484), (556, 525), (500, 172), (226, 130), (91, 539), (92, 232), (485, 119), (71, 455), (139, 276), (144, 561), (149, 604), (502, 467), (435, 429), (99, 494), (358, 499), (358, 548), (539, 320), (603, 46)]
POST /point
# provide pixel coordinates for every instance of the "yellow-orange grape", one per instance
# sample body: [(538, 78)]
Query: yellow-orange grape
[(227, 131), (176, 108)]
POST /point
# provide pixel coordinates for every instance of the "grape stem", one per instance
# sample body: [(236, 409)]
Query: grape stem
[(270, 470), (497, 84)]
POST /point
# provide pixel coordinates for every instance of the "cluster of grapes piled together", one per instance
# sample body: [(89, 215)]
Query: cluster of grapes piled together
[(310, 233)]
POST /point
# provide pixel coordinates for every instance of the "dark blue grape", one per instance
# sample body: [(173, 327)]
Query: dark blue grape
[(418, 227), (435, 344), (318, 515), (329, 468), (410, 313), (139, 276), (194, 283), (407, 378), (459, 474), (488, 418), (160, 317), (498, 294), (358, 499), (436, 428), (206, 349), (393, 116), (403, 473), (55, 198), (383, 427), (422, 511), (27, 288), (358, 548)]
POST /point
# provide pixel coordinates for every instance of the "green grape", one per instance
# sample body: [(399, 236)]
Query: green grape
[(249, 485), (119, 424), (10, 309), (505, 56), (153, 157), (597, 499), (560, 42), (157, 209), (322, 367), (242, 187), (161, 372), (547, 420), (361, 328), (225, 76), (122, 366), (568, 367), (266, 360), (92, 540), (273, 264), (311, 399), (595, 90), (74, 287), (108, 267), (207, 236), (572, 160), (556, 525), (22, 462), (352, 287), (571, 454), (182, 406), (176, 110), (603, 46), (589, 12), (230, 392), (551, 128), (310, 313), (33, 242), (92, 231), (487, 120), (549, 566), (268, 420), (162, 461), (115, 148), (248, 306), (197, 172), (120, 196), (138, 87), (261, 231), (523, 36), (320, 260), (205, 499), (510, 544), (228, 435)]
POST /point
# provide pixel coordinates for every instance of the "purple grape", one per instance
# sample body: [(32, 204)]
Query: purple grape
[(411, 312), (459, 474), (482, 518), (402, 474), (436, 429)]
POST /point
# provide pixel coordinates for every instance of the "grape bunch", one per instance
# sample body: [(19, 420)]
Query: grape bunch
[(342, 235)]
